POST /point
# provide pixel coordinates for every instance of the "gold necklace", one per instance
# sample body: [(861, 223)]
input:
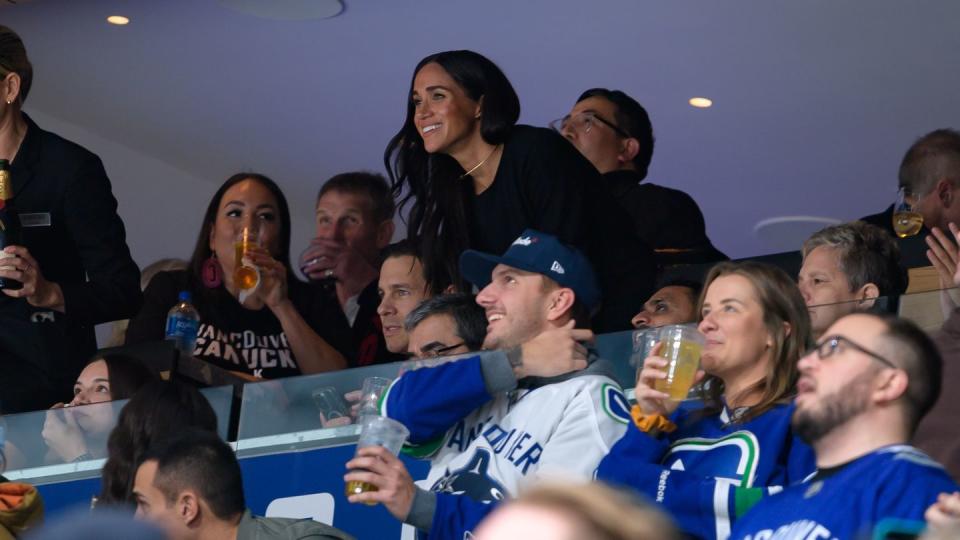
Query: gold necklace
[(478, 165)]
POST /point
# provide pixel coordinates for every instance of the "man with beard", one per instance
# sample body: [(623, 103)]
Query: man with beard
[(862, 391), (537, 405)]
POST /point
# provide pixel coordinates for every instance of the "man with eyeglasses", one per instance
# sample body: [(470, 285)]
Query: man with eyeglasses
[(861, 393), (613, 131), (446, 325)]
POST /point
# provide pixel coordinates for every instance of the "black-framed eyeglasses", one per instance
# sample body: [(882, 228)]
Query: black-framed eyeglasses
[(583, 123), (440, 351), (830, 344)]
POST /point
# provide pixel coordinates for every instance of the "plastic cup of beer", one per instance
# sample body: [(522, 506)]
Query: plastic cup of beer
[(681, 348), (373, 388), (245, 275), (643, 342), (378, 431), (907, 220), (330, 405)]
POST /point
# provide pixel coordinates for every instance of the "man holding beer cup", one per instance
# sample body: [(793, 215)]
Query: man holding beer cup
[(534, 406)]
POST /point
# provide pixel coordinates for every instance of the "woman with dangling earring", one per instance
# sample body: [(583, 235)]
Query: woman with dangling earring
[(477, 180), (267, 328)]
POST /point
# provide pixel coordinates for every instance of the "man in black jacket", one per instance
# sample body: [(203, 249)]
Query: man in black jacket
[(614, 132), (73, 259)]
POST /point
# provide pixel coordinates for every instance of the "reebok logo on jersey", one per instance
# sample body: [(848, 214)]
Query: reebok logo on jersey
[(662, 486), (555, 267)]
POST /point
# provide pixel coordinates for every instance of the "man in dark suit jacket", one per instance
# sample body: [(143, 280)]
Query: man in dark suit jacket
[(73, 260)]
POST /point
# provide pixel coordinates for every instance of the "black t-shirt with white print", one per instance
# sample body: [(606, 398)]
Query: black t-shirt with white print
[(230, 336)]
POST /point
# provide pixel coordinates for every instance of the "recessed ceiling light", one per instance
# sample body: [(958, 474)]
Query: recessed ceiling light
[(118, 20), (700, 102)]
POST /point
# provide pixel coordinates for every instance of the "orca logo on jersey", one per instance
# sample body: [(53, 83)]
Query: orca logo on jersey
[(472, 480), (615, 404)]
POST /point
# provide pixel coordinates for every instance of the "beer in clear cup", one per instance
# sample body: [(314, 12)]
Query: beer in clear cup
[(682, 346)]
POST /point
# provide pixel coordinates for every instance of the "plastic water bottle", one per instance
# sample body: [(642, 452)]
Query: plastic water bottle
[(183, 323)]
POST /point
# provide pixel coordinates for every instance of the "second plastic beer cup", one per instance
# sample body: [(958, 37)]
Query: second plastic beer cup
[(372, 391), (378, 431), (681, 347)]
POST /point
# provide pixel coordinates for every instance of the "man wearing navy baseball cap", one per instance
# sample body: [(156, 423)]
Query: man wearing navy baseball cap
[(532, 406), (560, 270)]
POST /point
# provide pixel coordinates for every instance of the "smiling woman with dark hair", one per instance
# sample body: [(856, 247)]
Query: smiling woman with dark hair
[(274, 331), (477, 180)]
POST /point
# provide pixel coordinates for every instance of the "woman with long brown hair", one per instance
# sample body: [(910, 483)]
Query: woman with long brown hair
[(271, 332), (708, 460)]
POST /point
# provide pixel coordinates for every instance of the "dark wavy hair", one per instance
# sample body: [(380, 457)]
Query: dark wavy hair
[(126, 374), (439, 211), (202, 252), (157, 411)]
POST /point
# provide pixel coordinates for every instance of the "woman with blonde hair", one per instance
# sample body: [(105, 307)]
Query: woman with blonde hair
[(709, 460), (577, 512)]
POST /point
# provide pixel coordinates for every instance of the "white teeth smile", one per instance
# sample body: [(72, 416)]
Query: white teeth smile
[(430, 128), (494, 318)]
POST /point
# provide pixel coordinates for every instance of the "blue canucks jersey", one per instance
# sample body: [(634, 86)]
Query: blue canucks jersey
[(710, 471), (879, 495)]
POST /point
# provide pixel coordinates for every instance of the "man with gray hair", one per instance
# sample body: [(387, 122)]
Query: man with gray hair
[(930, 172), (846, 268), (446, 325)]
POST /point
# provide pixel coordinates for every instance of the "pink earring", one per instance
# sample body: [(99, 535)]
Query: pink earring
[(211, 273)]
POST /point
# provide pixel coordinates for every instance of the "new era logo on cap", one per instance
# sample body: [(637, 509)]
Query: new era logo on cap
[(534, 251)]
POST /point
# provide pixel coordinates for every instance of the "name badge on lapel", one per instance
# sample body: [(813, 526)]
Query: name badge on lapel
[(40, 219)]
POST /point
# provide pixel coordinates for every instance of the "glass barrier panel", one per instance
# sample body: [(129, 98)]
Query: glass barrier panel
[(294, 407), (221, 400), (41, 445)]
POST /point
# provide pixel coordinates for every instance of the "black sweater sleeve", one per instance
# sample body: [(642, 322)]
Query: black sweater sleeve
[(160, 295), (112, 289), (555, 177)]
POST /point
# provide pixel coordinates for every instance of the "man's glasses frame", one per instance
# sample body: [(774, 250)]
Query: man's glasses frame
[(586, 118), (830, 344), (441, 351)]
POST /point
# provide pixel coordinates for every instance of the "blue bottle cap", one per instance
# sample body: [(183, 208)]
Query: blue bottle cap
[(184, 296)]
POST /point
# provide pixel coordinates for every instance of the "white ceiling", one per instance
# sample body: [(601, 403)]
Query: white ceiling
[(815, 101)]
